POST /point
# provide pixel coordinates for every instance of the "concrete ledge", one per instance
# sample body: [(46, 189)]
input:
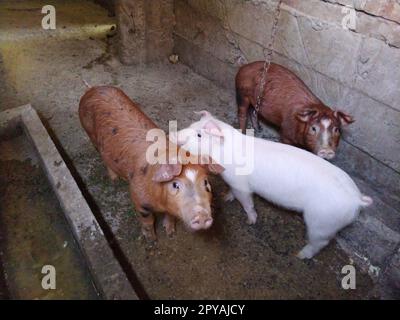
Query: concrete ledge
[(109, 278)]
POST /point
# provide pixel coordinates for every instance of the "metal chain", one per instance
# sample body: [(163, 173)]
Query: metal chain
[(268, 59)]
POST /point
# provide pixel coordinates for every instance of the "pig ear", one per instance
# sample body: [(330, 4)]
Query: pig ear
[(215, 168), (306, 115), (211, 165), (166, 172), (203, 114), (213, 129), (344, 118)]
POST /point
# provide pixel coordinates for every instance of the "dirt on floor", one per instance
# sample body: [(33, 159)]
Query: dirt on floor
[(232, 260)]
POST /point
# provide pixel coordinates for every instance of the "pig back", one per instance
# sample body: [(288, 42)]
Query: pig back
[(117, 127), (284, 92)]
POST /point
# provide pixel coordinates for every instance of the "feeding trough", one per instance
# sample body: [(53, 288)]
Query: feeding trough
[(44, 237)]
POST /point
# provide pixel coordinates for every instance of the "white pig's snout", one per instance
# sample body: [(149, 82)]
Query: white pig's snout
[(202, 219)]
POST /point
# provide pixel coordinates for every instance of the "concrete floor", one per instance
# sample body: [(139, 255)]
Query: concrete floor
[(232, 260)]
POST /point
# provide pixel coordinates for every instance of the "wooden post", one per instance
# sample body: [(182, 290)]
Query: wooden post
[(145, 30)]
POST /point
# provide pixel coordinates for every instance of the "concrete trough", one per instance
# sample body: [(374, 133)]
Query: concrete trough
[(108, 275)]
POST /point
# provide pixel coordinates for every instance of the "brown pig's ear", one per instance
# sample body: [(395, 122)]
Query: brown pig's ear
[(344, 118), (215, 168), (211, 165), (166, 172), (306, 115)]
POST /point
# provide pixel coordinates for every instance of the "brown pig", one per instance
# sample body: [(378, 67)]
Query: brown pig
[(304, 121), (117, 127)]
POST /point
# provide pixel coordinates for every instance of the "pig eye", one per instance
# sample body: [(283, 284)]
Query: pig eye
[(175, 185), (314, 129), (336, 130), (199, 135)]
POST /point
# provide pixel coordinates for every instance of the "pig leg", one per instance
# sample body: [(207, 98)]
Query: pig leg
[(254, 119), (146, 217), (113, 176), (147, 220), (169, 224), (319, 235), (243, 108), (246, 200), (315, 244)]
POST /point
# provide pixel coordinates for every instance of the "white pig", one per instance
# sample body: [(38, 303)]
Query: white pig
[(285, 175)]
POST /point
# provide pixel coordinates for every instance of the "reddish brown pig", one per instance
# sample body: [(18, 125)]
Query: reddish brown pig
[(304, 121), (117, 127)]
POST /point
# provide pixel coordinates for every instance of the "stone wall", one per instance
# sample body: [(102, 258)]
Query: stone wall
[(355, 69), (145, 30)]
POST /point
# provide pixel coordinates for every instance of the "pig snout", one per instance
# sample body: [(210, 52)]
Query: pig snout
[(326, 154), (201, 220)]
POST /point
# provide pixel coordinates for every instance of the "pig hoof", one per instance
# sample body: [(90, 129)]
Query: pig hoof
[(251, 216), (305, 253), (170, 230), (169, 225), (251, 220), (171, 233), (229, 197), (151, 239), (150, 236)]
